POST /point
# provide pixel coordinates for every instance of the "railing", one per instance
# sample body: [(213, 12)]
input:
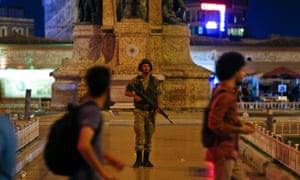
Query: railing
[(40, 104), (272, 105), (287, 127), (273, 146), (26, 131)]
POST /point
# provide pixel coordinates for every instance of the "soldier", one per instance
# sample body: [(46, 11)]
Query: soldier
[(144, 114)]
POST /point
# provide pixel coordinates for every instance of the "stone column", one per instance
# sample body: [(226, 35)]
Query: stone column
[(108, 14)]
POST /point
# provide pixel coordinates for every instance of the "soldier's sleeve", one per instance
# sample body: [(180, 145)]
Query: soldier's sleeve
[(132, 82), (158, 87)]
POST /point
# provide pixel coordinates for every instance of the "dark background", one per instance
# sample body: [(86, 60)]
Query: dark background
[(264, 17)]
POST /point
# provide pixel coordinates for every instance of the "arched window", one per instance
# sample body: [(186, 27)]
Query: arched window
[(3, 31)]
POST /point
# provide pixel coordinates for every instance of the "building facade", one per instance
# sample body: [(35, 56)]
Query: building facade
[(23, 17), (217, 18), (10, 26)]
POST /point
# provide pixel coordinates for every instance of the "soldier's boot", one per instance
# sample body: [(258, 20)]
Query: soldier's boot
[(146, 161), (138, 162)]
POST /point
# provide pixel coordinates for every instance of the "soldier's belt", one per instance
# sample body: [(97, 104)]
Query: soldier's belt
[(143, 107)]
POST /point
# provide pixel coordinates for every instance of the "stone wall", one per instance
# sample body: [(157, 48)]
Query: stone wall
[(36, 56)]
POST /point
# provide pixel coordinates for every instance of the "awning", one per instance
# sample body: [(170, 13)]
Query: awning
[(264, 67)]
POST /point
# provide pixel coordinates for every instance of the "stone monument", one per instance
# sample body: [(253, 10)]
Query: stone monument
[(121, 45)]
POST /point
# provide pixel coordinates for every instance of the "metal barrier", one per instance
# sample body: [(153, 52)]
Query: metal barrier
[(26, 131), (272, 105), (274, 146), (287, 127)]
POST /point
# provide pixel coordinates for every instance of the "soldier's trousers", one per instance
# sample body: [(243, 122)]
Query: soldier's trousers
[(144, 129)]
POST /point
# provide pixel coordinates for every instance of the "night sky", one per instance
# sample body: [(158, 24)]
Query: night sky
[(266, 17)]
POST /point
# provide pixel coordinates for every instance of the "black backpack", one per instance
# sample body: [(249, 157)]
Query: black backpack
[(60, 153), (208, 136)]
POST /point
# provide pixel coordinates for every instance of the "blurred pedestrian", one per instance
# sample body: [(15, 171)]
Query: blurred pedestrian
[(89, 144), (8, 145), (224, 121)]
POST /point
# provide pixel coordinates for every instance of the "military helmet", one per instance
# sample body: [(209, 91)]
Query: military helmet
[(145, 61)]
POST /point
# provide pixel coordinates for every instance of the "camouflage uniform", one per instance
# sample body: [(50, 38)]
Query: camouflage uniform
[(144, 123)]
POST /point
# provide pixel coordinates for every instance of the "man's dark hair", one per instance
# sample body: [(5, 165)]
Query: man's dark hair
[(228, 64), (98, 80)]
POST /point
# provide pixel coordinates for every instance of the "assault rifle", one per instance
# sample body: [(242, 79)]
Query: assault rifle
[(130, 87)]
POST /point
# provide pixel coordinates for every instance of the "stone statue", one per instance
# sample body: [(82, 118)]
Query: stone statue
[(173, 11), (179, 8), (120, 8), (90, 11), (136, 9)]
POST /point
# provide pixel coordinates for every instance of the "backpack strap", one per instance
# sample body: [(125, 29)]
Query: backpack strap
[(215, 95), (87, 103)]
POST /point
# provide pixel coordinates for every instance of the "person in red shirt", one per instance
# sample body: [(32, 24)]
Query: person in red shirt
[(223, 118)]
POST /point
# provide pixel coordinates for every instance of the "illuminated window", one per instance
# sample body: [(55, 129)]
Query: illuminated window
[(234, 19), (192, 30), (200, 30), (236, 32)]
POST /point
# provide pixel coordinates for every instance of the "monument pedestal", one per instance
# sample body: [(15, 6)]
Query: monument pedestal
[(186, 84), (69, 84)]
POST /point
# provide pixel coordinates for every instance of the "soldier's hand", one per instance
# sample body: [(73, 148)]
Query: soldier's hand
[(137, 98)]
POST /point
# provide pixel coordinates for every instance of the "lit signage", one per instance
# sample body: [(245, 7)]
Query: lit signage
[(211, 25), (16, 81), (213, 7), (216, 7)]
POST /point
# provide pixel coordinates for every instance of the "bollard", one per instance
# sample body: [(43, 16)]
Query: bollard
[(269, 121), (27, 104)]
